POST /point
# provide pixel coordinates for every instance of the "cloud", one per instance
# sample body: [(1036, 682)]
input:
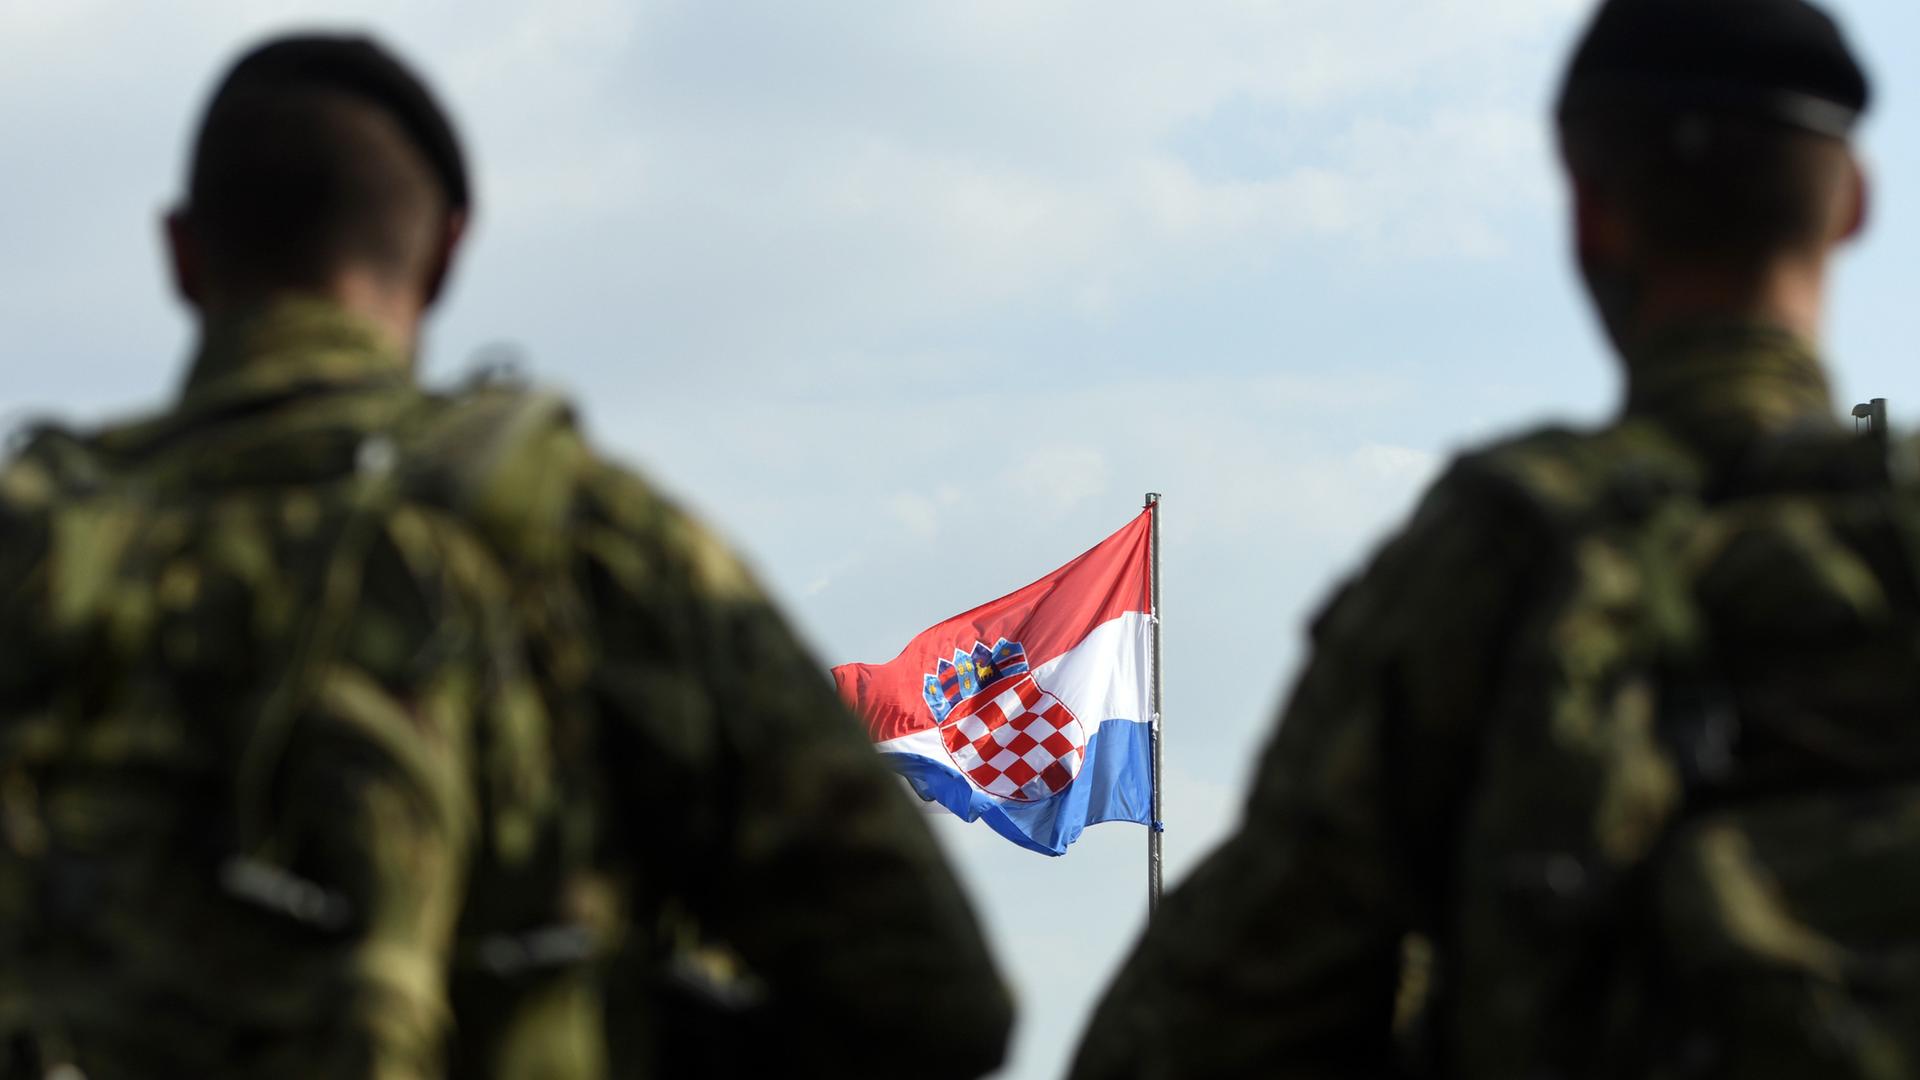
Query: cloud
[(1201, 810), (1055, 480), (918, 514), (1397, 464), (906, 168), (760, 182)]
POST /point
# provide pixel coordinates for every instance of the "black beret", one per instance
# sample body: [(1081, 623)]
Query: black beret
[(359, 66), (1780, 60)]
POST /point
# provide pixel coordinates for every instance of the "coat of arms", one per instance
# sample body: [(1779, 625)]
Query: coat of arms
[(1008, 736)]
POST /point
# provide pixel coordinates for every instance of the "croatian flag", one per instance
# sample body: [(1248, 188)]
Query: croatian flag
[(1032, 711)]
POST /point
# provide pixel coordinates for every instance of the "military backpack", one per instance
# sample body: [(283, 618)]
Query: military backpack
[(268, 713), (1695, 847)]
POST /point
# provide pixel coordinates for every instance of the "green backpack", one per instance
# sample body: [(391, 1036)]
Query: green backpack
[(1695, 847), (275, 766)]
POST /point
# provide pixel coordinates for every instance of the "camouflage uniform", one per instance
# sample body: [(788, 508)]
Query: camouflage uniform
[(1344, 906), (664, 774)]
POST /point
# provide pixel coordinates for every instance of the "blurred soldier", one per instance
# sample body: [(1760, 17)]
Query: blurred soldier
[(1608, 765), (349, 730)]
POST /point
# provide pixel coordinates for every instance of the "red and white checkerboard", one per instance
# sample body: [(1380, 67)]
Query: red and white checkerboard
[(1015, 740)]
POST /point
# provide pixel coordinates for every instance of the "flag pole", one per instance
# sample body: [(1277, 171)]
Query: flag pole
[(1155, 828)]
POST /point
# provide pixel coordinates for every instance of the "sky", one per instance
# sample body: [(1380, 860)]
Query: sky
[(914, 301)]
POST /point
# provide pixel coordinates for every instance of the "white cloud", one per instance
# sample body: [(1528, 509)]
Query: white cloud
[(916, 513), (751, 180), (1201, 811), (1397, 464), (893, 168), (832, 572), (1055, 480)]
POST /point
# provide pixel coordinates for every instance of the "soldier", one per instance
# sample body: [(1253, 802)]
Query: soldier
[(1605, 767), (351, 730)]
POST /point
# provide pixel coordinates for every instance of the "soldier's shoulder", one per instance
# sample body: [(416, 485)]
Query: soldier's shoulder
[(516, 458), (1481, 504), (1497, 507), (625, 510), (1563, 471)]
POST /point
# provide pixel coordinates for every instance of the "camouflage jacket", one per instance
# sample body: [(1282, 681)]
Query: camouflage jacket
[(1291, 948), (765, 890)]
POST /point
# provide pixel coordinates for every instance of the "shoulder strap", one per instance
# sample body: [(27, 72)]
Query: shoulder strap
[(507, 459), (488, 456), (375, 488), (1574, 479), (66, 459)]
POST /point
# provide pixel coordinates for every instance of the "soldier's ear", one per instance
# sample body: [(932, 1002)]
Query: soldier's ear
[(447, 245), (183, 257), (1859, 200), (1602, 230)]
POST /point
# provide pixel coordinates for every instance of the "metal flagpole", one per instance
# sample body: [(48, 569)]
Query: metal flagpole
[(1155, 828)]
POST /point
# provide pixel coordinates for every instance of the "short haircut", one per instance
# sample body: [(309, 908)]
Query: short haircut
[(292, 184), (1707, 187)]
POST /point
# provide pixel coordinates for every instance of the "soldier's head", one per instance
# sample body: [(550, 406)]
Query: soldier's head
[(1707, 142), (322, 166)]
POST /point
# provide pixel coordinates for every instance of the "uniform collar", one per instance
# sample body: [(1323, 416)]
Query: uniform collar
[(282, 349), (1725, 385), (287, 345)]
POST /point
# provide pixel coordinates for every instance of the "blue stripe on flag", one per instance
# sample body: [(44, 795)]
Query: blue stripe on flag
[(1115, 784)]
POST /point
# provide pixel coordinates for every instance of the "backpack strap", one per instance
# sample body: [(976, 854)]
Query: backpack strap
[(507, 459), (1573, 786), (1633, 486), (375, 489), (487, 456)]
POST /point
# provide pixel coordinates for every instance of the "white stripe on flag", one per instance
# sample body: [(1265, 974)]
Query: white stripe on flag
[(1108, 676)]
